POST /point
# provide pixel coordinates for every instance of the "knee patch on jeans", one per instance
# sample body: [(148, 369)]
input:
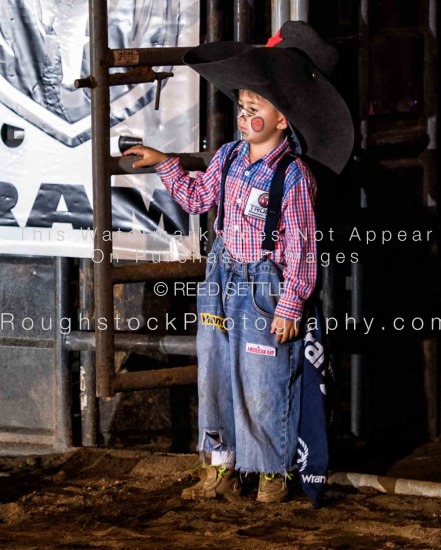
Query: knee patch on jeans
[(215, 439), (212, 439)]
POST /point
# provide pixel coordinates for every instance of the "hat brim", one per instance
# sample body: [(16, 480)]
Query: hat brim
[(291, 82)]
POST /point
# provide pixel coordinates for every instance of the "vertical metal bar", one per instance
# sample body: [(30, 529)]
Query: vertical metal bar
[(300, 10), (216, 116), (431, 350), (328, 291), (363, 77), (242, 30), (356, 358), (279, 14), (357, 269), (242, 20), (432, 122), (102, 211), (63, 424), (87, 358)]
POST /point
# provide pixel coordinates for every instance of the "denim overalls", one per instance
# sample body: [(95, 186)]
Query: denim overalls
[(248, 385)]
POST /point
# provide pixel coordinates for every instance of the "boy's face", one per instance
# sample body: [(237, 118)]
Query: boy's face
[(258, 119)]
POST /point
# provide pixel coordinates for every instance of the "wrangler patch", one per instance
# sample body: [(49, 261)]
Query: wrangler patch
[(213, 321), (311, 478)]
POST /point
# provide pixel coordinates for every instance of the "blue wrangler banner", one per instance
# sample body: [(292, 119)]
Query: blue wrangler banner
[(317, 383)]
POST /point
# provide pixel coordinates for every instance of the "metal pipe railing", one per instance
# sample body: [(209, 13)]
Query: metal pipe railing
[(356, 285), (216, 116), (102, 208), (105, 273), (243, 10), (299, 10), (280, 12), (88, 400), (190, 161), (138, 343), (216, 112), (178, 376), (148, 271), (63, 424)]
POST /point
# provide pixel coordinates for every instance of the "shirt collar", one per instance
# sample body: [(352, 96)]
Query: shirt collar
[(271, 158)]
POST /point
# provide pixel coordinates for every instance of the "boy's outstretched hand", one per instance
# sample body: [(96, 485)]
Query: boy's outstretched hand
[(284, 329), (149, 156)]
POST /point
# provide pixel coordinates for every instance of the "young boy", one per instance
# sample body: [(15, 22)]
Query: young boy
[(249, 352)]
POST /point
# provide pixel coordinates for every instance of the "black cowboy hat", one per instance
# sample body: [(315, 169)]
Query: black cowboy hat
[(290, 74)]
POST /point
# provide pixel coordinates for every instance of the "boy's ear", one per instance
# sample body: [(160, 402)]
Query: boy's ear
[(283, 122)]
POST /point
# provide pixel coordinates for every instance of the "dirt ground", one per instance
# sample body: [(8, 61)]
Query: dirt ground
[(129, 499)]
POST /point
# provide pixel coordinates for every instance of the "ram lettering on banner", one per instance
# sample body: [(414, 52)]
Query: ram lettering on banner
[(45, 147)]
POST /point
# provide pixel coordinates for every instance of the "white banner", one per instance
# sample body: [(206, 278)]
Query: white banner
[(45, 147)]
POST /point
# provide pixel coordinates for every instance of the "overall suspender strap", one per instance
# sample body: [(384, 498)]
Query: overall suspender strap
[(275, 203), (228, 161)]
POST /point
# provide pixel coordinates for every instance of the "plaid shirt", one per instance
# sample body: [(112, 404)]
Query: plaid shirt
[(295, 246)]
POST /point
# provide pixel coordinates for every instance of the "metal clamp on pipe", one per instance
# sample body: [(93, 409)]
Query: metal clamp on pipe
[(137, 75), (159, 78)]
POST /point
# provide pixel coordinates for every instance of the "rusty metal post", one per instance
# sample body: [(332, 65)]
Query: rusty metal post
[(242, 30), (431, 347), (87, 358), (216, 115), (102, 210), (63, 419), (144, 380)]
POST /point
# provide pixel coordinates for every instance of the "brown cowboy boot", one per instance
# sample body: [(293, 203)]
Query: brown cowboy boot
[(216, 482), (272, 488)]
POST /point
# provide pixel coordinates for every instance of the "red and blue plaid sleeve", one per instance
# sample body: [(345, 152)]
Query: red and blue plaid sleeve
[(196, 194), (300, 266)]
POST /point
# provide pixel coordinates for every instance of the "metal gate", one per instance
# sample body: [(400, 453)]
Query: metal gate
[(35, 394)]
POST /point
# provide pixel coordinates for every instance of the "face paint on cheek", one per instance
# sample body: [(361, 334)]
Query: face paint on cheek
[(257, 124)]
